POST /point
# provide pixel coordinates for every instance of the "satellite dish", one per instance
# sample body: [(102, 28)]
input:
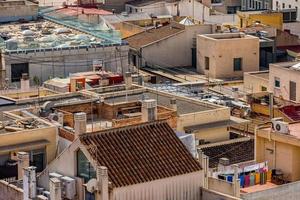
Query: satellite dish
[(92, 185)]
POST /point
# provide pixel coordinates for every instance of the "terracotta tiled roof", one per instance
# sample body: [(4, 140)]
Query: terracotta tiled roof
[(140, 153), (236, 152)]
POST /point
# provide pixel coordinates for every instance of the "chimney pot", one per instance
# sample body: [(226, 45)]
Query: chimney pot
[(23, 163), (55, 189), (79, 123), (102, 178), (29, 183), (128, 80), (149, 110)]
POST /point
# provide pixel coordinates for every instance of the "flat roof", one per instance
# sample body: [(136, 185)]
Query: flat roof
[(43, 34), (258, 187), (260, 74), (295, 66), (227, 36), (183, 107)]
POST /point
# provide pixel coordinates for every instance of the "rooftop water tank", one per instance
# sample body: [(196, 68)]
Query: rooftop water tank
[(296, 66), (11, 44), (28, 33)]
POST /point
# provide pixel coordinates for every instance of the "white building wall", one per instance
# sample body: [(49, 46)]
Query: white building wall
[(285, 76), (288, 4), (155, 9), (175, 50), (181, 187), (189, 8), (203, 13), (60, 63)]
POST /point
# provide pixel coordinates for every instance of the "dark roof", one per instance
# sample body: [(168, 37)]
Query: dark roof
[(140, 153), (6, 102), (150, 36), (236, 152)]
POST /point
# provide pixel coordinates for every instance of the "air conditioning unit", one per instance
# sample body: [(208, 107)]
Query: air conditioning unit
[(53, 117), (55, 175), (46, 194), (68, 187), (40, 190), (278, 125)]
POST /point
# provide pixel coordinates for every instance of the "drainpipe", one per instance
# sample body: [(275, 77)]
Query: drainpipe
[(236, 182)]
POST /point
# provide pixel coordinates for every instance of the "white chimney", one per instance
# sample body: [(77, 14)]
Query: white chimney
[(128, 80), (29, 183), (79, 123), (23, 163), (55, 189), (173, 104), (60, 118), (25, 85), (149, 110), (102, 178)]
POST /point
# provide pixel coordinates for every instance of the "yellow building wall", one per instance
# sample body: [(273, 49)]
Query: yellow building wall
[(285, 156), (272, 19), (214, 134), (48, 133)]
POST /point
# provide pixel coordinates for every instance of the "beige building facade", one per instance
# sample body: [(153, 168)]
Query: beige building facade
[(255, 82), (284, 80), (227, 55)]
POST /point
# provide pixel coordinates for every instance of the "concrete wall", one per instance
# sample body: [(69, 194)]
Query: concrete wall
[(289, 191), (221, 53), (11, 192), (204, 117), (220, 186), (179, 187), (59, 63), (294, 27), (15, 138), (285, 76), (175, 50), (253, 83), (14, 11), (213, 134), (213, 195)]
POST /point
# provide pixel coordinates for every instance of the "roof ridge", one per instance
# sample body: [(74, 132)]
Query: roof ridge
[(114, 129)]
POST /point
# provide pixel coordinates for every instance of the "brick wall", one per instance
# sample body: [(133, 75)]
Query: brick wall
[(66, 134)]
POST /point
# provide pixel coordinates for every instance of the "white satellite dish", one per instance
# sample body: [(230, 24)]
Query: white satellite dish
[(92, 185)]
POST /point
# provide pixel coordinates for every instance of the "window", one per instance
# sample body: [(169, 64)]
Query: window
[(283, 5), (277, 82), (84, 168), (293, 91), (237, 64), (207, 63), (37, 159), (17, 70), (263, 88)]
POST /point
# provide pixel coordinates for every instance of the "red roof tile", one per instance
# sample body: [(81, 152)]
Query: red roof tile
[(140, 153)]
